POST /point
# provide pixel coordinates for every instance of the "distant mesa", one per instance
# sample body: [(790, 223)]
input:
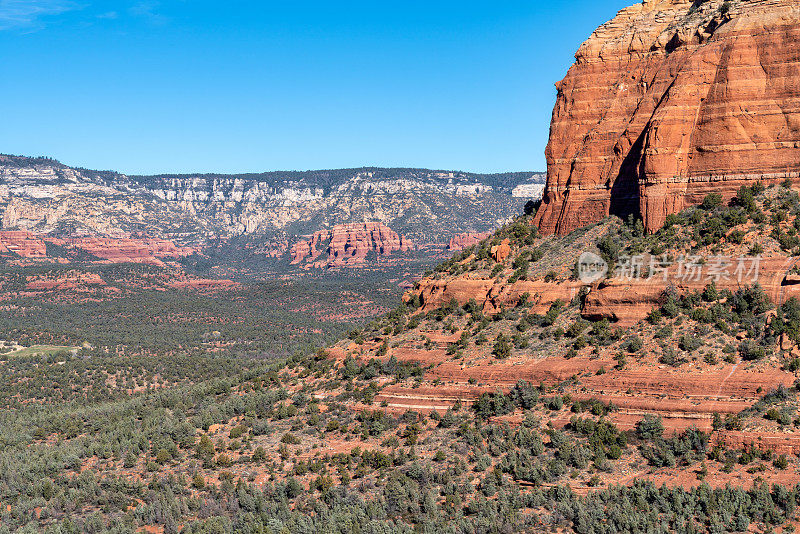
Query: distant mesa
[(134, 250), (260, 216)]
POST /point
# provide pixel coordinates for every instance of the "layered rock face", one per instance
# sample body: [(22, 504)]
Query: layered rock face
[(622, 301), (124, 250), (422, 200), (267, 211), (348, 245), (22, 243), (672, 100), (465, 240), (143, 249)]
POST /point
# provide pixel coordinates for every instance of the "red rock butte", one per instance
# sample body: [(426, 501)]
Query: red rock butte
[(466, 240), (349, 244), (672, 100)]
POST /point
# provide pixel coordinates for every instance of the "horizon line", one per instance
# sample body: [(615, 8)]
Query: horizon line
[(230, 173)]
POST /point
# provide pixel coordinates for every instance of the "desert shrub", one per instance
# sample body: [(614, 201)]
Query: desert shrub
[(577, 328), (552, 313), (710, 293), (736, 236), (670, 358), (684, 449), (751, 350), (787, 320), (745, 198), (781, 462), (670, 308), (634, 344), (524, 395), (502, 346), (650, 427), (711, 201), (554, 403), (491, 404), (689, 343), (609, 247)]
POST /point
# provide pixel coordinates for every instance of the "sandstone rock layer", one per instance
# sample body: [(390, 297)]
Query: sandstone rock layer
[(123, 250), (672, 100), (142, 249), (348, 245), (466, 240), (22, 243)]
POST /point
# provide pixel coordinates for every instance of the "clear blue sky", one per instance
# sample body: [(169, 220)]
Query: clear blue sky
[(235, 86)]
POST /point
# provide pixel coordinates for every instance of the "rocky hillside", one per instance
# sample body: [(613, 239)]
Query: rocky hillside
[(694, 323), (44, 196), (672, 100), (490, 398)]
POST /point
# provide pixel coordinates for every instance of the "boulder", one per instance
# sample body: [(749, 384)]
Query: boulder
[(501, 252)]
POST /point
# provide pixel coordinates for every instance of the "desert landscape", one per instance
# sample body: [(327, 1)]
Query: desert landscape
[(610, 346)]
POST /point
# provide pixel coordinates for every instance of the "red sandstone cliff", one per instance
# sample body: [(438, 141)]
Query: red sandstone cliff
[(22, 243), (135, 250), (465, 240), (670, 101), (348, 244), (29, 245)]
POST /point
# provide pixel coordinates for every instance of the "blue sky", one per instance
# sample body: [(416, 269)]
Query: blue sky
[(238, 86)]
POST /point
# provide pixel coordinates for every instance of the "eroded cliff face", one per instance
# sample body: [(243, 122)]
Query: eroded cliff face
[(348, 245), (419, 201), (45, 196), (672, 100), (21, 243), (467, 239), (140, 249)]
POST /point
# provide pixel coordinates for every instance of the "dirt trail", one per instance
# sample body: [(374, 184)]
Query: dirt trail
[(722, 384)]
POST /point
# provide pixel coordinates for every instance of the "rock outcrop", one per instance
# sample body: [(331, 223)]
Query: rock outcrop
[(348, 245), (22, 243), (672, 100), (627, 301), (465, 240), (128, 250), (491, 295), (142, 249), (501, 251)]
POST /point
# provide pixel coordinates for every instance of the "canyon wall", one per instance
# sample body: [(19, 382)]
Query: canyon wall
[(44, 196), (672, 100)]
